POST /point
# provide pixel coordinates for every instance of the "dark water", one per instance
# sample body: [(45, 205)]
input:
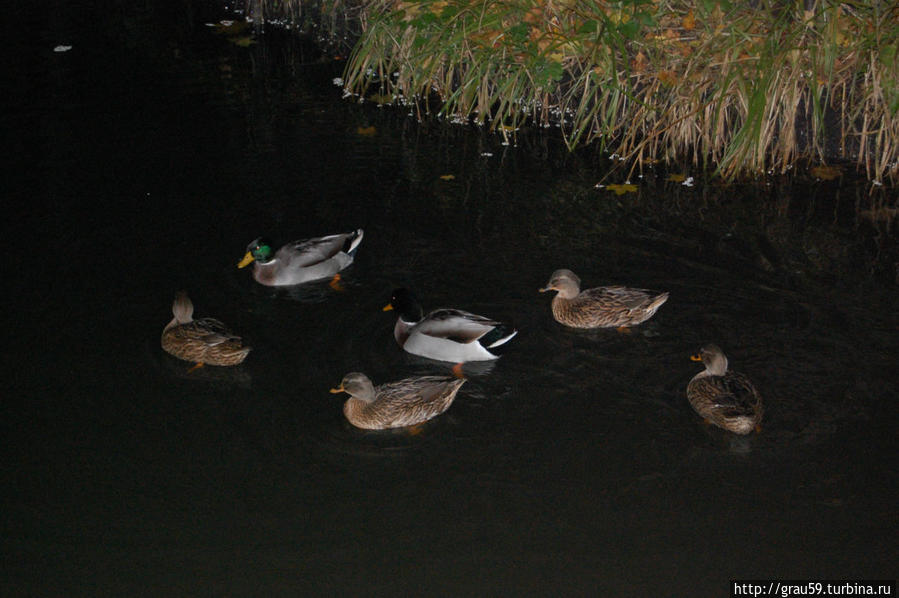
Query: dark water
[(146, 158)]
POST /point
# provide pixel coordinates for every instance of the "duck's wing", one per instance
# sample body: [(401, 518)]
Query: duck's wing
[(308, 252), (456, 325), (213, 332), (414, 400), (734, 394), (623, 297)]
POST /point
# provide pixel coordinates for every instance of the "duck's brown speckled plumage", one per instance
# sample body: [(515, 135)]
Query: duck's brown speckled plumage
[(723, 397), (206, 340), (601, 307), (396, 404)]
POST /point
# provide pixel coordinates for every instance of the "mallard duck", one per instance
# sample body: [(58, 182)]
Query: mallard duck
[(396, 404), (203, 341), (301, 261), (602, 307), (724, 397), (445, 334)]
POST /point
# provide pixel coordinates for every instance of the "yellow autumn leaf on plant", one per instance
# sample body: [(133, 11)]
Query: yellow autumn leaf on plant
[(366, 131), (826, 173), (622, 189), (447, 177), (668, 78), (676, 178)]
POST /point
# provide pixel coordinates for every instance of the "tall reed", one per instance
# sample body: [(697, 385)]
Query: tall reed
[(739, 87)]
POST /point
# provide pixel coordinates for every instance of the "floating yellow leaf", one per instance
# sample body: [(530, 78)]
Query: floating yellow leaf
[(231, 27), (366, 131), (622, 189), (243, 42), (826, 173), (676, 178), (447, 177)]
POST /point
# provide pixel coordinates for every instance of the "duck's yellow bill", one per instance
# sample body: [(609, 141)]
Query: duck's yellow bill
[(334, 391), (387, 307), (696, 357), (246, 260)]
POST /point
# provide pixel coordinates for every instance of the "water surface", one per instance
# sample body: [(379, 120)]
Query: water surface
[(145, 160)]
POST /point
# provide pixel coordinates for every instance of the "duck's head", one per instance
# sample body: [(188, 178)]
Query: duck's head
[(406, 305), (565, 282), (182, 308), (713, 358), (356, 385), (259, 250)]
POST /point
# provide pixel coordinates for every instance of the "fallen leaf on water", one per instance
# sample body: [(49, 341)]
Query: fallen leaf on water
[(447, 177), (243, 42), (623, 188), (62, 48), (231, 27), (366, 131), (827, 173), (676, 178)]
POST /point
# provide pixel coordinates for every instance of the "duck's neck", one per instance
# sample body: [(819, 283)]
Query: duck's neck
[(354, 410), (703, 374), (265, 273), (171, 325), (401, 331)]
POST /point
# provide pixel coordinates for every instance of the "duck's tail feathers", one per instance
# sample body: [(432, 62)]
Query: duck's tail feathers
[(501, 334), (658, 301), (352, 242)]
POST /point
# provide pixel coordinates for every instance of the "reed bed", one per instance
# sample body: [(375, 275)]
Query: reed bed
[(737, 87)]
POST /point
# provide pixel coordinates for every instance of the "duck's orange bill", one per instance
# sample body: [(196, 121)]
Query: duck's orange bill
[(334, 391), (696, 357), (387, 307), (246, 260)]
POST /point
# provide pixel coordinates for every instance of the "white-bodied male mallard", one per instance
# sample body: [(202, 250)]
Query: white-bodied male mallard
[(203, 341), (445, 334), (602, 307), (723, 397), (396, 404), (301, 261)]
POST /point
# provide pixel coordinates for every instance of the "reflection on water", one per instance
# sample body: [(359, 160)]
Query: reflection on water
[(573, 464)]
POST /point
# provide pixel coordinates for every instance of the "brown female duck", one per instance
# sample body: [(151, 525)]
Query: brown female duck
[(204, 341), (723, 397), (602, 307), (396, 404)]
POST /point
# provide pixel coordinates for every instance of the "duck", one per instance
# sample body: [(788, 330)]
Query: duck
[(301, 261), (601, 307), (445, 334), (203, 341), (406, 402), (723, 397)]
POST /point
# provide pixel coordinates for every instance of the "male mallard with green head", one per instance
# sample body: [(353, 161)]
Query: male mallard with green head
[(445, 334), (301, 261)]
